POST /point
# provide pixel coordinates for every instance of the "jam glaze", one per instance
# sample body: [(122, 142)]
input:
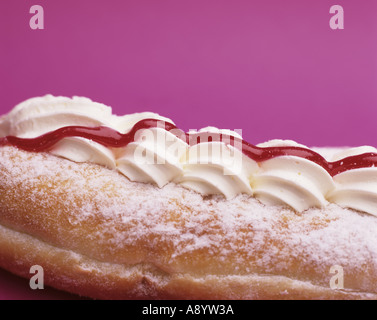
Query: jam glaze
[(111, 138)]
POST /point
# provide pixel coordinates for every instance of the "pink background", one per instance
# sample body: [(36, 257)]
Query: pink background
[(272, 68)]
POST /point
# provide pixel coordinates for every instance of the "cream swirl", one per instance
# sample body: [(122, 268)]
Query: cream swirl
[(217, 168), (83, 150), (40, 115), (356, 188), (37, 116), (152, 157), (290, 180)]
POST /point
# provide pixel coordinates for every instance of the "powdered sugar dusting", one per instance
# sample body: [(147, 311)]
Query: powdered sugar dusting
[(86, 207)]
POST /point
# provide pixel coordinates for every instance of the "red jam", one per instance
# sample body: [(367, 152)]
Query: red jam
[(111, 138)]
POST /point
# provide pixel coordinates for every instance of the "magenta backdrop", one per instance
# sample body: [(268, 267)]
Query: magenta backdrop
[(272, 68)]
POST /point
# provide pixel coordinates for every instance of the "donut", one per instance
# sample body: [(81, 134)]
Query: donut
[(132, 207)]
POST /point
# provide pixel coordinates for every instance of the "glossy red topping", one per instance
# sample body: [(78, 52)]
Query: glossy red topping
[(111, 138)]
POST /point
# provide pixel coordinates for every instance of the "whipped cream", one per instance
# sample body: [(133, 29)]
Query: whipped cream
[(40, 115), (356, 188), (153, 157), (217, 168), (159, 156), (293, 181)]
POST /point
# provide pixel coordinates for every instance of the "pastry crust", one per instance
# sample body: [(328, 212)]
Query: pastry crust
[(99, 235)]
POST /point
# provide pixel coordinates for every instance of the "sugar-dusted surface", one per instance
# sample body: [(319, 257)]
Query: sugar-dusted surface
[(100, 214)]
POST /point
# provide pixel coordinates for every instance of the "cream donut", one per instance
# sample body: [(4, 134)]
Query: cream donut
[(112, 212)]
